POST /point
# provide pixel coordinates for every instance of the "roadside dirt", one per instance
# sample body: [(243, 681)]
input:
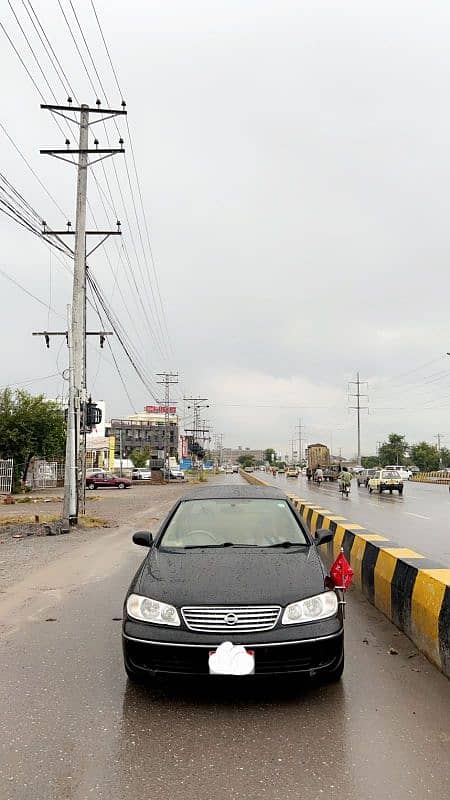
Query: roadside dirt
[(19, 556)]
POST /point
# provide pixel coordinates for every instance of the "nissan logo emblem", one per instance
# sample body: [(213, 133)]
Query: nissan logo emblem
[(231, 619)]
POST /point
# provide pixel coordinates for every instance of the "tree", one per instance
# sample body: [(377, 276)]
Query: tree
[(445, 456), (393, 451), (246, 461), (270, 455), (368, 462), (425, 456), (29, 426), (139, 458)]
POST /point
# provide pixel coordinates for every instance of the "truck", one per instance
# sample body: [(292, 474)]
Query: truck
[(319, 455)]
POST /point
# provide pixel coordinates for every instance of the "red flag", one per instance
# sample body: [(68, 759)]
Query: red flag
[(341, 572)]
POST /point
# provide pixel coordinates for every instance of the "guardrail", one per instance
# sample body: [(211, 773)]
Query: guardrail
[(411, 590), (431, 477)]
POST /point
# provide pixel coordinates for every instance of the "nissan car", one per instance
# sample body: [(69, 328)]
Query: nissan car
[(233, 584)]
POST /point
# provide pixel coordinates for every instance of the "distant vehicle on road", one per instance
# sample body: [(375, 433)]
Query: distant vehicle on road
[(281, 470), (107, 479), (175, 621), (318, 455), (229, 470), (248, 469), (292, 472), (236, 468), (141, 474), (362, 478), (386, 480), (405, 473)]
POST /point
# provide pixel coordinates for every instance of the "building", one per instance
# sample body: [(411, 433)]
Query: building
[(145, 431), (231, 455)]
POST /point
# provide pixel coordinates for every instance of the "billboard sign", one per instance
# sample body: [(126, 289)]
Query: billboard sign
[(160, 409)]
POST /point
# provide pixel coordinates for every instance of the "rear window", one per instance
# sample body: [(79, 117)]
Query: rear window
[(391, 473), (239, 521)]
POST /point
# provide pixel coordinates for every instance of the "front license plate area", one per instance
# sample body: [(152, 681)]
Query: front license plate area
[(231, 659)]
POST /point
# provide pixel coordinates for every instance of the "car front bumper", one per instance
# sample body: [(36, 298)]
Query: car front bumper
[(316, 648)]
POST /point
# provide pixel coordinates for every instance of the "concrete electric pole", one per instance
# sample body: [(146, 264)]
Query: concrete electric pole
[(358, 408), (168, 379), (73, 500)]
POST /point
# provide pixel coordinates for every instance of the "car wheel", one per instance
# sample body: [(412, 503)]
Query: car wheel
[(380, 489), (370, 490), (358, 484), (91, 486), (121, 486), (390, 491), (400, 491), (335, 674)]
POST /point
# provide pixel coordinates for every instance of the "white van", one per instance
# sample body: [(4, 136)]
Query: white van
[(405, 473)]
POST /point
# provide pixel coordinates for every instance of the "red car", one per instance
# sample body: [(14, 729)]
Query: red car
[(106, 479)]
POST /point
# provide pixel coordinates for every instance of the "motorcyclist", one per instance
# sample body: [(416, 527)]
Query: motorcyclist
[(318, 475), (344, 478)]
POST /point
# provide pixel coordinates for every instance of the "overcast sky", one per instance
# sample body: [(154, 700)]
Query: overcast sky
[(294, 163)]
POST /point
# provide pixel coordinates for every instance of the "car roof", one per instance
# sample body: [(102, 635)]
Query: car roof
[(227, 492)]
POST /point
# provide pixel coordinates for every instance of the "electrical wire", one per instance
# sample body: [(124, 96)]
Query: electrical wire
[(30, 294)]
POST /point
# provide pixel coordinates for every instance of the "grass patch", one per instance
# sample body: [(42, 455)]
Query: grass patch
[(25, 519), (85, 521)]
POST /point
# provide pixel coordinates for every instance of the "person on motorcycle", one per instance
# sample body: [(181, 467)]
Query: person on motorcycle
[(318, 475), (345, 479)]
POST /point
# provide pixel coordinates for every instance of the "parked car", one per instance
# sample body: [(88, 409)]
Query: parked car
[(188, 610), (107, 479), (362, 478), (141, 474), (386, 479), (176, 475)]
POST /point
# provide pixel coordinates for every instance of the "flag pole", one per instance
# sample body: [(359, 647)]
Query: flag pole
[(342, 587)]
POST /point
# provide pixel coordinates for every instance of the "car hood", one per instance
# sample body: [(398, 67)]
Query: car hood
[(232, 576)]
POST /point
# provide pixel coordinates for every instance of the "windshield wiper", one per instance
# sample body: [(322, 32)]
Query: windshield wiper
[(224, 544), (288, 544)]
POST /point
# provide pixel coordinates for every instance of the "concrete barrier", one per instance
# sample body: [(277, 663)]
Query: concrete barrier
[(410, 589), (430, 477)]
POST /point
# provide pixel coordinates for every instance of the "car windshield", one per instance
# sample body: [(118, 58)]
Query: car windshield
[(233, 521)]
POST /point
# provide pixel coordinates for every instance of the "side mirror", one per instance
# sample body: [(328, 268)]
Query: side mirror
[(143, 538), (323, 536)]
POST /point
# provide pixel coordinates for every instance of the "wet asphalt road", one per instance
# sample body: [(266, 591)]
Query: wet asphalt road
[(71, 727), (420, 519)]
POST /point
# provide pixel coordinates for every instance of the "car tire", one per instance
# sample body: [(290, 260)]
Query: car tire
[(390, 491), (334, 675), (380, 490), (121, 486), (91, 486), (400, 491), (370, 490), (359, 484)]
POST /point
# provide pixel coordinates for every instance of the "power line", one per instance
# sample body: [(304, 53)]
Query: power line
[(30, 294)]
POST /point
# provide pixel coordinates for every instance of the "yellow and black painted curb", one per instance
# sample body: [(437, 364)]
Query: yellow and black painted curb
[(410, 589), (430, 477)]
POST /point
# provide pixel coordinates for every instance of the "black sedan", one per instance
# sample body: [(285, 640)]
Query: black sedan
[(233, 584)]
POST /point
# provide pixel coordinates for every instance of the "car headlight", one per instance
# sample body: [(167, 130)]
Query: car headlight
[(148, 610), (320, 606)]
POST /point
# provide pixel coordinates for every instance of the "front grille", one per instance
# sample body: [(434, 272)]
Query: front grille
[(232, 619)]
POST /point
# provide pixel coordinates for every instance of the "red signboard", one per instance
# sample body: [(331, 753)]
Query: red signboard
[(160, 409)]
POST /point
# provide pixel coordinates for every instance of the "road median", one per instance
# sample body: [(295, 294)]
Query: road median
[(412, 590)]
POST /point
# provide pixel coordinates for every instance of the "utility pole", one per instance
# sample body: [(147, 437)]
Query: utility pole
[(196, 407), (358, 408), (438, 437), (300, 429), (78, 315), (168, 379)]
